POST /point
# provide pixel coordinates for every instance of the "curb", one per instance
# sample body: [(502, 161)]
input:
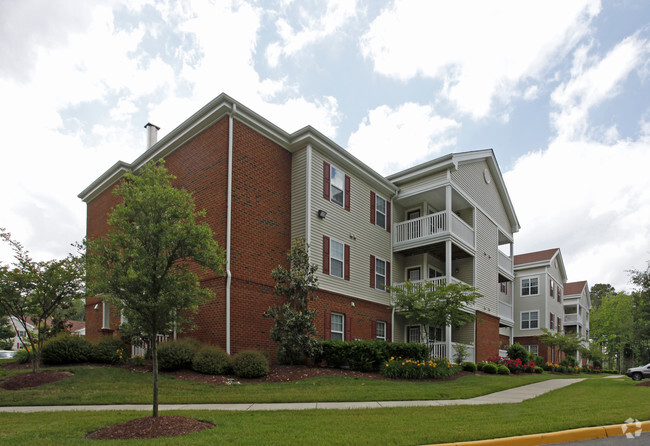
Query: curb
[(585, 433)]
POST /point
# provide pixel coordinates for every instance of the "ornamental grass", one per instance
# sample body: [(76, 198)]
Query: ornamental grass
[(436, 368)]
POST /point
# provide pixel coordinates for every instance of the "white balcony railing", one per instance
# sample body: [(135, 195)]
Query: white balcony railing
[(505, 262), (439, 350), (436, 282), (141, 349), (432, 225), (505, 310), (573, 319)]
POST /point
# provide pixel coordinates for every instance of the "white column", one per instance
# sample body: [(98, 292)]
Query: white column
[(448, 341)]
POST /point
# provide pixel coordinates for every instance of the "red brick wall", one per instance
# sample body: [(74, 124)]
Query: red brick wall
[(542, 349), (504, 341), (487, 336)]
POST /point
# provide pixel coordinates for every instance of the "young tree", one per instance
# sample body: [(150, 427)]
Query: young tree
[(612, 325), (7, 334), (144, 265), (293, 321), (432, 305), (598, 291), (39, 290), (568, 343)]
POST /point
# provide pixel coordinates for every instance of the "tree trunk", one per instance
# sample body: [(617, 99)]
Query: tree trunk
[(154, 356)]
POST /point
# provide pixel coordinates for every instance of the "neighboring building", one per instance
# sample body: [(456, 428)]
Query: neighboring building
[(577, 304), (20, 340), (262, 187), (539, 291)]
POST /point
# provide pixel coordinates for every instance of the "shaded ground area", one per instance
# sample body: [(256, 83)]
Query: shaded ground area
[(23, 380), (149, 427)]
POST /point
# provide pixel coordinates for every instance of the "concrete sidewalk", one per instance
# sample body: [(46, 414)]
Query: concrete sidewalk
[(516, 395)]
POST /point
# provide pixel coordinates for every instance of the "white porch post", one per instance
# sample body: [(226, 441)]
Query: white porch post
[(448, 341)]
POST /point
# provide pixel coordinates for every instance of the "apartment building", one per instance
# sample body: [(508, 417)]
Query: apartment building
[(577, 304), (443, 220)]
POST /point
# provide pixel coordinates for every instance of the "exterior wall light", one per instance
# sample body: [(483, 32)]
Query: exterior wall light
[(322, 213)]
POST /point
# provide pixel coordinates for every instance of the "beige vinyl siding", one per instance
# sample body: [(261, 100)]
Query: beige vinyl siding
[(399, 328), (426, 183), (469, 177), (352, 228), (531, 303), (463, 334), (299, 194), (465, 270), (486, 264)]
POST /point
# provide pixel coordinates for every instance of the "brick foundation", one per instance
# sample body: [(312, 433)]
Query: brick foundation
[(487, 336)]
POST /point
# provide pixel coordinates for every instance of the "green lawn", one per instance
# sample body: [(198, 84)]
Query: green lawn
[(592, 402), (107, 385)]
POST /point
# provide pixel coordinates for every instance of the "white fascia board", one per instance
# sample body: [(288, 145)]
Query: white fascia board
[(558, 254), (106, 180), (539, 264)]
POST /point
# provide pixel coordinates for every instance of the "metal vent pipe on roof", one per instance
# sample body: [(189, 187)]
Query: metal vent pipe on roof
[(152, 134)]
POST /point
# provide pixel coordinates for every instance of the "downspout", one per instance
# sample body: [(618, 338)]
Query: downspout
[(229, 226), (308, 192), (392, 229)]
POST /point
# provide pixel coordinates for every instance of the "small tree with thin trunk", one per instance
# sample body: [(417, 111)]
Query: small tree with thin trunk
[(294, 322), (431, 305), (38, 291), (145, 266)]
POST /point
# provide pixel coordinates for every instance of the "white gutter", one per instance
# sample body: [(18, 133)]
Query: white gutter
[(392, 262), (308, 192), (228, 226)]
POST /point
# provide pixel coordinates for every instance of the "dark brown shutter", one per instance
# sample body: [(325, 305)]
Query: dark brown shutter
[(388, 216), (389, 332), (328, 325), (372, 271), (326, 180), (373, 330), (326, 254), (348, 327), (387, 275), (372, 207), (346, 274), (347, 193)]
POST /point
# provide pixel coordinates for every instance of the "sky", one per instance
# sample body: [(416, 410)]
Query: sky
[(559, 90)]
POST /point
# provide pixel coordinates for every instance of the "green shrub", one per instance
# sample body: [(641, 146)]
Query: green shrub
[(176, 355), (490, 368), (193, 343), (518, 351), (480, 365), (503, 370), (398, 368), (109, 350), (537, 359), (67, 349), (368, 356), (212, 361), (23, 356), (539, 370), (596, 363), (569, 361), (250, 364), (469, 367)]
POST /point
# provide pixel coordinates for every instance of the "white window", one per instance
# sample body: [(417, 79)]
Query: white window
[(504, 287), (551, 321), (530, 287), (413, 274), (337, 258), (437, 334), (106, 316), (337, 327), (529, 320), (413, 333), (337, 186), (380, 274), (381, 330), (532, 349), (380, 212)]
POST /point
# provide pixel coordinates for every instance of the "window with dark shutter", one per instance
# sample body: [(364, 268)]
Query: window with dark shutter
[(347, 193), (372, 207), (388, 216), (326, 180), (372, 271), (347, 262), (328, 325), (326, 254)]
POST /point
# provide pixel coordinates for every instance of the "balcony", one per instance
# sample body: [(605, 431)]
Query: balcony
[(431, 228), (573, 319), (505, 263), (439, 350), (505, 310)]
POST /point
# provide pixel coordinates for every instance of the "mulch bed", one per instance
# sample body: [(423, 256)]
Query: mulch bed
[(644, 383), (150, 427), (24, 380)]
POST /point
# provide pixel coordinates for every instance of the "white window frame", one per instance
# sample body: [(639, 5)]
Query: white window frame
[(342, 259), (379, 198), (551, 322), (106, 316), (529, 313), (336, 172), (379, 286), (384, 326), (532, 348), (501, 287), (529, 286), (338, 333), (552, 288)]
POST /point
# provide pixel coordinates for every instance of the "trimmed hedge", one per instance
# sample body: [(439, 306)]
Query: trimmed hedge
[(367, 356), (212, 361), (67, 349), (250, 364), (503, 370), (110, 350), (439, 368), (469, 367), (176, 355), (490, 368)]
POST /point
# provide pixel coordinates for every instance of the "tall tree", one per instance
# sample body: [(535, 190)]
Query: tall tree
[(39, 290), (568, 343), (598, 291), (641, 298), (432, 305), (293, 320), (612, 325), (145, 265)]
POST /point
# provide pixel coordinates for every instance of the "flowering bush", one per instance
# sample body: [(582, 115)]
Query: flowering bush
[(437, 368), (514, 365)]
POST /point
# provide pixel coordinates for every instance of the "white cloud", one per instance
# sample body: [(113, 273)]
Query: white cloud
[(390, 140), (315, 26), (479, 50), (593, 82)]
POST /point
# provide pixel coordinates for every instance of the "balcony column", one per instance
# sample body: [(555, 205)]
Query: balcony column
[(448, 207), (448, 342)]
